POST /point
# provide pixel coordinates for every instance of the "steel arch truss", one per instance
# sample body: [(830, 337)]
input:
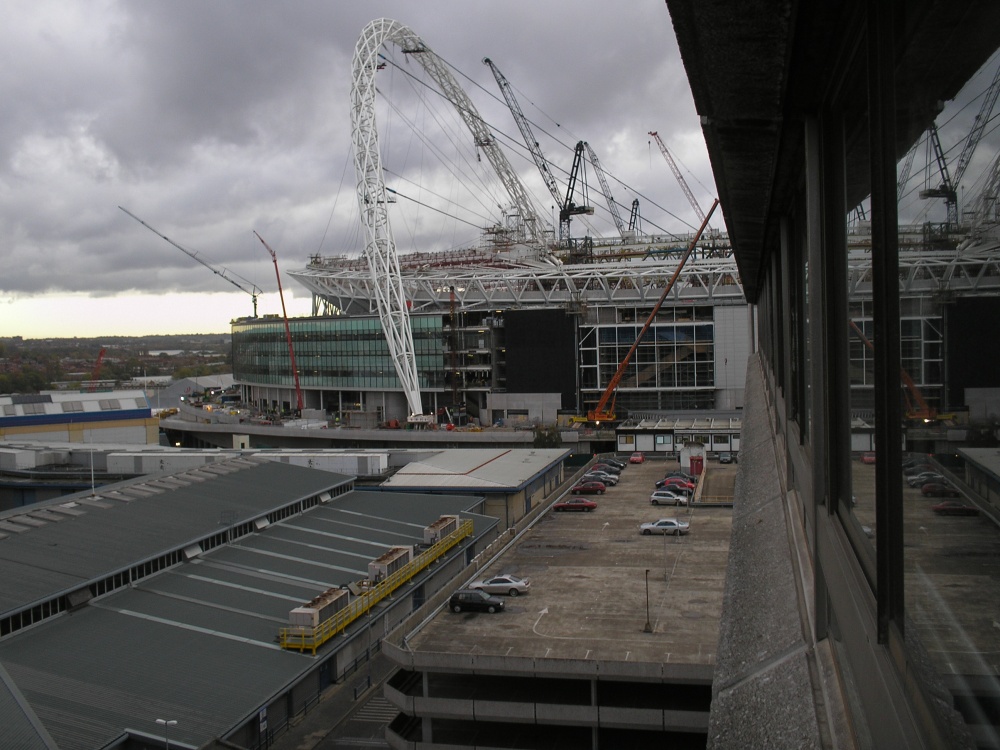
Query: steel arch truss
[(385, 286)]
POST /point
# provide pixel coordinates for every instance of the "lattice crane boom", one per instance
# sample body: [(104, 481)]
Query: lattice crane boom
[(679, 177), (525, 127), (225, 273), (288, 332), (601, 178)]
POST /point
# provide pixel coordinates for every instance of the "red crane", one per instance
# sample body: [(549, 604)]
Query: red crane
[(96, 372), (288, 333), (601, 413)]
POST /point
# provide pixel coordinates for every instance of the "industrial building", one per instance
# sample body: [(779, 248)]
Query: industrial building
[(190, 597)]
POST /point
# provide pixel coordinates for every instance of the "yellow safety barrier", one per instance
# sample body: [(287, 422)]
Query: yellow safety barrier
[(309, 639)]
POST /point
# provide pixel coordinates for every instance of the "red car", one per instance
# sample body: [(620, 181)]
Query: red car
[(575, 503), (590, 488), (868, 458), (955, 508), (937, 489), (637, 458)]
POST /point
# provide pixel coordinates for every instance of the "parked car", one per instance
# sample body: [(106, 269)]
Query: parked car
[(666, 497), (616, 462), (590, 488), (474, 600), (726, 457), (503, 584), (675, 483), (918, 469), (575, 503), (868, 457), (665, 526), (919, 480), (955, 508), (939, 489), (682, 474), (917, 460), (637, 458), (600, 476), (606, 467)]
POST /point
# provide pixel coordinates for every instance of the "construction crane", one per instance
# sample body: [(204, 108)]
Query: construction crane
[(601, 413), (633, 219), (225, 273), (569, 208), (96, 372), (612, 206), (948, 189), (526, 132), (288, 332), (677, 174), (917, 407)]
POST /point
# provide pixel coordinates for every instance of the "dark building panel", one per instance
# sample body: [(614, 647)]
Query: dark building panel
[(973, 354), (541, 353)]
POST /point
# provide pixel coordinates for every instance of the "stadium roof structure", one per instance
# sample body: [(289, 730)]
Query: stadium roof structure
[(164, 596)]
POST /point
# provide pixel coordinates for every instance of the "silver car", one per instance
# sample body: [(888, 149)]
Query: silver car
[(668, 497), (503, 584), (665, 526)]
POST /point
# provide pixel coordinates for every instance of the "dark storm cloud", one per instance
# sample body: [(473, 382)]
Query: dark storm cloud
[(212, 119)]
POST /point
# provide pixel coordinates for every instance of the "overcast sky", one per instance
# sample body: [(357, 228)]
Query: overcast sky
[(210, 120)]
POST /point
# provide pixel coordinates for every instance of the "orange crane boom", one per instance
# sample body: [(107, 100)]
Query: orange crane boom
[(601, 413), (288, 332), (922, 410)]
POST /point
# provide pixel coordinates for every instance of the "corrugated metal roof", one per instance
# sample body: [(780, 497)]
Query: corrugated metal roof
[(477, 468), (122, 525), (195, 643), (21, 728)]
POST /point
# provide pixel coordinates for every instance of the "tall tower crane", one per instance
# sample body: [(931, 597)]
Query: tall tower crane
[(949, 187), (677, 174), (569, 206)]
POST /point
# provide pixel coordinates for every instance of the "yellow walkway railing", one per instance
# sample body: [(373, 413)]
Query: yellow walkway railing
[(309, 639)]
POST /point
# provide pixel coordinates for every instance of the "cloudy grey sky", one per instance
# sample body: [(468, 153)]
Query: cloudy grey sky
[(210, 120)]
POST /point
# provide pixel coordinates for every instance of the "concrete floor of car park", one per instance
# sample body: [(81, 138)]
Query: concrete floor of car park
[(588, 574), (952, 584), (587, 601)]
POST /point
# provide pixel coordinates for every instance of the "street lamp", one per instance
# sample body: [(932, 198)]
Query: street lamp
[(648, 628), (166, 730)]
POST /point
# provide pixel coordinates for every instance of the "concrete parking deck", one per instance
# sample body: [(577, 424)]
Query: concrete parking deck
[(589, 574)]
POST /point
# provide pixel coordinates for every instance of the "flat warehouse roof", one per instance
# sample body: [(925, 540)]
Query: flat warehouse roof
[(197, 642)]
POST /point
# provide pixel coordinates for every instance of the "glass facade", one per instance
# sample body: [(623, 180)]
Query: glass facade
[(332, 353), (673, 366)]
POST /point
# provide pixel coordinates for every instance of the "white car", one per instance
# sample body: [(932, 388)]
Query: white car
[(502, 584), (667, 497), (665, 526)]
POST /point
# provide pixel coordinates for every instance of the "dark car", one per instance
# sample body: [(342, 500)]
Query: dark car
[(672, 483), (474, 600), (614, 462), (919, 480), (590, 488), (600, 476), (606, 467), (725, 457), (575, 503), (938, 489), (955, 508)]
